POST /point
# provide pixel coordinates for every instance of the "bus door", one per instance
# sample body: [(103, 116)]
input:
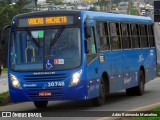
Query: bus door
[(92, 61)]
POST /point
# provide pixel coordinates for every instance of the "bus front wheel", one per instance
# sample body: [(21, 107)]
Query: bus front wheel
[(98, 101), (40, 104)]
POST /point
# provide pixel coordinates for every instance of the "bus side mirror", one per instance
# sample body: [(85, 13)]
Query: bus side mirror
[(88, 32), (2, 34)]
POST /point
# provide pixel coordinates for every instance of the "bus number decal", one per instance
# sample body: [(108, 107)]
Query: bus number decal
[(56, 84)]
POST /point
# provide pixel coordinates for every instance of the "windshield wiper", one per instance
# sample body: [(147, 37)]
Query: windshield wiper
[(33, 39), (57, 35)]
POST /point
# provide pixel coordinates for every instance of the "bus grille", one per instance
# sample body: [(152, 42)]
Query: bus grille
[(44, 78), (32, 92)]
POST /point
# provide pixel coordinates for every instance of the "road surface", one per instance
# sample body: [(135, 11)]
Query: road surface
[(3, 83), (115, 102)]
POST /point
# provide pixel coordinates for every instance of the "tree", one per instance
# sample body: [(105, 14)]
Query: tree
[(56, 2), (7, 11), (93, 9)]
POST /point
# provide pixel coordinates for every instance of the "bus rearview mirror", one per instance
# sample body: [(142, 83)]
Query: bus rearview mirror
[(2, 34)]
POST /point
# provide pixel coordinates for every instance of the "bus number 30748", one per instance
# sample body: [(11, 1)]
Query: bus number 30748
[(56, 84)]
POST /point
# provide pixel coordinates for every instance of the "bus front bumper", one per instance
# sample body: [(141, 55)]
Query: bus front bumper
[(78, 92)]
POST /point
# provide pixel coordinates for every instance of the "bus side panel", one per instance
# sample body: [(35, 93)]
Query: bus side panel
[(113, 66), (151, 63), (134, 59), (131, 70), (93, 79)]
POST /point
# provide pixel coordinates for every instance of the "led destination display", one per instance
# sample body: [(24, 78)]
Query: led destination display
[(45, 21)]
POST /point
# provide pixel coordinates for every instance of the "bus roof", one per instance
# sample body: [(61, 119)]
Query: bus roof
[(116, 17), (102, 16)]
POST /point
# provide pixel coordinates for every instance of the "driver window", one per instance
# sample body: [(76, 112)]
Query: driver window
[(91, 43), (91, 47)]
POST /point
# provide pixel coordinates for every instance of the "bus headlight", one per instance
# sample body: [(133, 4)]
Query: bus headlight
[(75, 78), (15, 81)]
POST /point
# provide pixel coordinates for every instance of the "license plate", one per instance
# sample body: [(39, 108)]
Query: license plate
[(44, 94)]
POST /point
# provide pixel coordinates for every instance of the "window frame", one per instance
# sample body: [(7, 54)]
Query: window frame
[(144, 36), (151, 36), (118, 35), (104, 35), (127, 36), (132, 34)]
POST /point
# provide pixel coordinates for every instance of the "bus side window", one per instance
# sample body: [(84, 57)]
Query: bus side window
[(114, 36), (91, 43), (126, 43), (143, 36), (102, 30), (135, 36), (151, 36), (107, 36)]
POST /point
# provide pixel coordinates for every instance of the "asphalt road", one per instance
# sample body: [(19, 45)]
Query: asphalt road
[(115, 102)]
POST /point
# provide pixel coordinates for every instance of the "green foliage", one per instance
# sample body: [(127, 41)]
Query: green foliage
[(7, 12), (133, 12), (93, 9), (117, 1), (156, 110), (158, 67), (4, 70), (56, 2), (4, 98)]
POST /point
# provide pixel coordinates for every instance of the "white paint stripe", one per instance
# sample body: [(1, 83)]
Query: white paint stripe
[(144, 108), (147, 107)]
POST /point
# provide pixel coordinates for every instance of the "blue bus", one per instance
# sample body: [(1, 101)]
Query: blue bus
[(79, 55)]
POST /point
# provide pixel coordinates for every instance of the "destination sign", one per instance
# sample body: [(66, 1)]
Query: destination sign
[(45, 21)]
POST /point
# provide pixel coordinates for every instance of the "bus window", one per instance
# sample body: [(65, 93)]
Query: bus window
[(135, 36), (26, 49), (114, 36), (107, 35), (91, 43), (102, 30), (126, 43), (143, 36), (151, 36), (91, 47)]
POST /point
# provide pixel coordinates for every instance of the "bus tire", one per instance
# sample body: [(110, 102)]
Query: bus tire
[(130, 91), (141, 86), (40, 104), (98, 101), (138, 90)]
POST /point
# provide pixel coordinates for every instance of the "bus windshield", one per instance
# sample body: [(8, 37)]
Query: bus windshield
[(47, 49)]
